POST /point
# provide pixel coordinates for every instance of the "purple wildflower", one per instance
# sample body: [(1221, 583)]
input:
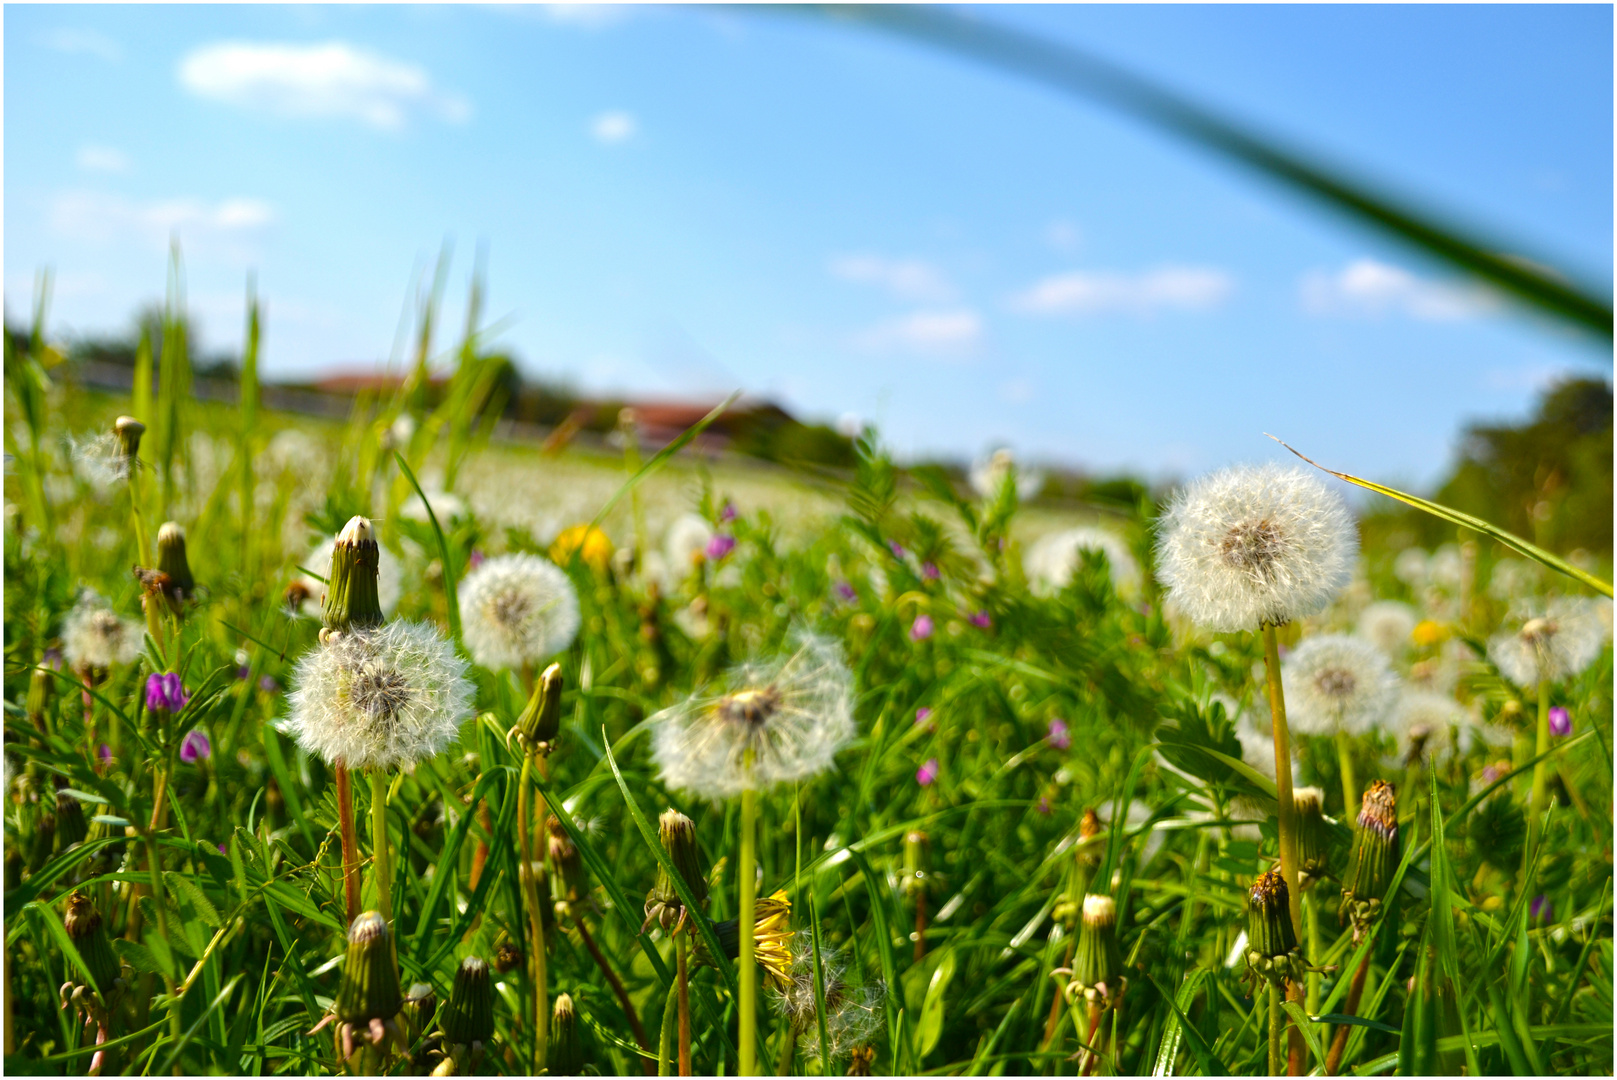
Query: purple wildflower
[(1059, 737), (927, 773), (475, 559), (847, 591), (929, 571), (104, 752), (195, 745), (1542, 909), (720, 546), (1490, 774), (268, 684), (923, 717), (981, 620), (1560, 721), (222, 849), (727, 512), (896, 549), (52, 659), (921, 629), (1044, 805), (166, 692)]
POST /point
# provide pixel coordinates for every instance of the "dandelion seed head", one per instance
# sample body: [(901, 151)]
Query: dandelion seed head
[(1052, 559), (1423, 721), (384, 698), (1389, 626), (94, 637), (1549, 643), (1337, 683), (516, 610), (685, 544), (389, 575), (1255, 545), (790, 715), (100, 459)]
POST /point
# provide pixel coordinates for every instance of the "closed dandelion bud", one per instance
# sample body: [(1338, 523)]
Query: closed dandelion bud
[(129, 431), (678, 835), (89, 934), (1090, 848), (469, 1016), (1271, 939), (420, 1003), (172, 562), (1313, 835), (370, 981), (507, 957), (571, 884), (43, 841), (1098, 962), (540, 722), (351, 596), (565, 1055), (1375, 853), (915, 844), (39, 696), (70, 824)]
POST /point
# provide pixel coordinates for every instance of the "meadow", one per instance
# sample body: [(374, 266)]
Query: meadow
[(496, 780)]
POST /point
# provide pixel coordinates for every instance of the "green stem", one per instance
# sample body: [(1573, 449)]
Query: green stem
[(1283, 797), (1535, 805), (380, 863), (683, 984), (536, 919), (665, 1043), (749, 969), (1277, 1057), (1350, 785), (1311, 903)]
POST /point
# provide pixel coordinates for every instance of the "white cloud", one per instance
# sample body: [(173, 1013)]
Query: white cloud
[(588, 16), (331, 79), (86, 42), (1366, 287), (613, 127), (907, 279), (1083, 292), (101, 159), (951, 332), (1062, 235), (98, 217)]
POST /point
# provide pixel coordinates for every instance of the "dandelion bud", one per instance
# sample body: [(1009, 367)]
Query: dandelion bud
[(1089, 846), (171, 561), (43, 841), (129, 431), (370, 980), (1313, 835), (1098, 962), (89, 934), (1375, 853), (70, 824), (39, 697), (351, 596), (571, 884), (915, 844), (469, 1016), (1271, 939), (540, 722), (678, 835), (507, 957), (565, 1055)]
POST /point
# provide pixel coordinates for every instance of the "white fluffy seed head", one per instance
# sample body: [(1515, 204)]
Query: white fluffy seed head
[(853, 1014), (389, 575), (1337, 683), (516, 610), (685, 546), (1051, 560), (1255, 545), (1549, 643), (100, 459), (1388, 624), (789, 715), (1425, 720), (94, 637), (384, 698)]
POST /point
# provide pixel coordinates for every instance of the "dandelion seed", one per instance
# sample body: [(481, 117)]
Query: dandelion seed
[(921, 628), (1052, 560), (1337, 683), (767, 723), (195, 746), (1389, 626), (380, 698), (517, 610), (927, 773), (389, 578), (853, 1014), (1248, 547), (1550, 644), (94, 637), (685, 544), (1059, 737), (1560, 721)]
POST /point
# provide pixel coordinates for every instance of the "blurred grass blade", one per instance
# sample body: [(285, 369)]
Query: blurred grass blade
[(1442, 923), (1510, 540), (1205, 1058), (1078, 72), (451, 597), (876, 887)]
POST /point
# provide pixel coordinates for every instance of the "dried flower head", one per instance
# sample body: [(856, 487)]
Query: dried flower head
[(389, 575), (1337, 683), (1389, 625), (1424, 722), (771, 722), (1549, 643), (94, 637), (516, 610), (853, 1014), (1255, 545), (1052, 559), (383, 697), (1376, 854), (1313, 836)]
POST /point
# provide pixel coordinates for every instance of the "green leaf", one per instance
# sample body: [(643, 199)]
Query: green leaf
[(1173, 1030), (445, 873), (1205, 1058), (929, 1028), (1310, 1036), (451, 597), (179, 884), (1510, 540)]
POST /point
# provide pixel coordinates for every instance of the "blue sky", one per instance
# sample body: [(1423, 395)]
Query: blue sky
[(683, 201)]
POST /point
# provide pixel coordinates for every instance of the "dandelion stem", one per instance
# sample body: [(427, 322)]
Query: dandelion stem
[(1287, 809), (536, 922), (665, 1040), (1311, 902), (1535, 805), (1277, 1063), (617, 987), (749, 969), (680, 949), (350, 839), (1350, 786), (380, 863)]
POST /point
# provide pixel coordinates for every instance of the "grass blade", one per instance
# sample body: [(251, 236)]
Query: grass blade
[(451, 597)]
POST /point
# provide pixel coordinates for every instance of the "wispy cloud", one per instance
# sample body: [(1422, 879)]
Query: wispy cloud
[(1096, 292), (613, 127), (951, 333), (328, 80), (101, 159), (907, 279), (83, 42), (588, 16), (99, 217), (1366, 287)]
